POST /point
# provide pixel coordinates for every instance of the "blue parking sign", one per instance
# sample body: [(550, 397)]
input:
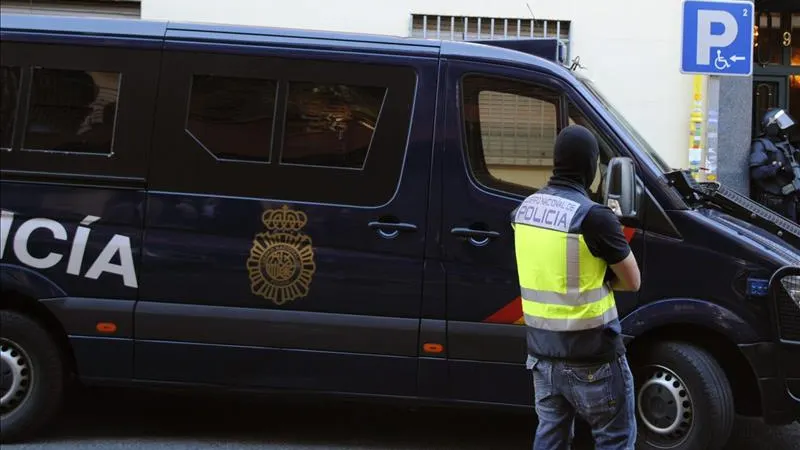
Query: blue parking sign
[(717, 37)]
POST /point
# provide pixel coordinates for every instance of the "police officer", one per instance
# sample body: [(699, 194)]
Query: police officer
[(774, 166), (571, 255)]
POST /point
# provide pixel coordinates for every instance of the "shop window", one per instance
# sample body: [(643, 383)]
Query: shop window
[(794, 79), (9, 96), (330, 125), (794, 39), (794, 107), (769, 47), (232, 118), (510, 132), (72, 111)]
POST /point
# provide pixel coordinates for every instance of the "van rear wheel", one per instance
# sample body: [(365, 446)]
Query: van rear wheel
[(683, 399), (31, 377)]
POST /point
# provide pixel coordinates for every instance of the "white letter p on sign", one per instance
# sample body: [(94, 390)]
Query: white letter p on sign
[(706, 40)]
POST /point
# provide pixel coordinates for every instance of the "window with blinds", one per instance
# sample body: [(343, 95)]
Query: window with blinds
[(517, 129), (510, 130)]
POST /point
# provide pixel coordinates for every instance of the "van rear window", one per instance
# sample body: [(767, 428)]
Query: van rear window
[(330, 125), (72, 111), (9, 95)]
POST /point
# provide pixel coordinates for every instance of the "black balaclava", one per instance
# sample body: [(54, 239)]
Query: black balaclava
[(575, 158)]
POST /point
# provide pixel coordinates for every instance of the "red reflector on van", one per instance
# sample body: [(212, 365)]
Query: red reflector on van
[(106, 327), (432, 347)]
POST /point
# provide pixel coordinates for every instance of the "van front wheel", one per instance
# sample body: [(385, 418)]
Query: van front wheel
[(683, 399), (31, 377)]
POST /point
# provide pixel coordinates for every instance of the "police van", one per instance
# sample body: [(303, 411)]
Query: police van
[(231, 207)]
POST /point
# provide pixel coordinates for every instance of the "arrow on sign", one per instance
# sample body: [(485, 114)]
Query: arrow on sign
[(735, 58)]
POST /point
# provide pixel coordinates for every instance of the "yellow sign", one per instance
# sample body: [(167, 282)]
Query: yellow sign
[(281, 262)]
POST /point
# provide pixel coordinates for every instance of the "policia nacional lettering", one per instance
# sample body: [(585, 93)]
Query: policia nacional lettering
[(549, 211)]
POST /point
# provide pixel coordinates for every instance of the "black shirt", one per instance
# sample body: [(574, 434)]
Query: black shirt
[(603, 235)]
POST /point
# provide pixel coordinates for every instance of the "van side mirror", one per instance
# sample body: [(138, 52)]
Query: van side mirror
[(619, 191)]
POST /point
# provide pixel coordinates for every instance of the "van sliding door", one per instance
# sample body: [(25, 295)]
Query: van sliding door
[(286, 225)]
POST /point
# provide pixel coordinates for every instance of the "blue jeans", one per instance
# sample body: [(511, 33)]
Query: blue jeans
[(601, 394)]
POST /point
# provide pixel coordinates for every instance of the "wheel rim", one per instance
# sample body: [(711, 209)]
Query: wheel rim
[(16, 376), (664, 407)]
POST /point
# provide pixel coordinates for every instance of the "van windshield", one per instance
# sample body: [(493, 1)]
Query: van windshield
[(638, 138)]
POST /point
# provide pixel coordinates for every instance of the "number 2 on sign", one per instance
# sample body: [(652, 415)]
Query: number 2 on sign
[(744, 12)]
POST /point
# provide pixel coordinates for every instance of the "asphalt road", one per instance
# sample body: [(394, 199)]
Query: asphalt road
[(157, 421)]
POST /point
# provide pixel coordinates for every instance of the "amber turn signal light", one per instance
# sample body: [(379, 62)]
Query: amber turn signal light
[(106, 327), (431, 347)]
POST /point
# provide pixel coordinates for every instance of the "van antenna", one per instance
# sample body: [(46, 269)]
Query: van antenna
[(576, 64), (531, 11)]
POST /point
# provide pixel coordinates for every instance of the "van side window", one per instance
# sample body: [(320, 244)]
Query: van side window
[(510, 127), (330, 125), (72, 111), (319, 129), (607, 149), (232, 118), (9, 96)]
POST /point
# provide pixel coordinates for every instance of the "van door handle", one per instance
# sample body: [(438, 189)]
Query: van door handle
[(390, 230), (475, 237), (469, 232)]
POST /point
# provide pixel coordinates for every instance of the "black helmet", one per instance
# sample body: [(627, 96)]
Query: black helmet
[(775, 122)]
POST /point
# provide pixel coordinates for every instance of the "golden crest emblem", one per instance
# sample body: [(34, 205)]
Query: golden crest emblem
[(281, 262)]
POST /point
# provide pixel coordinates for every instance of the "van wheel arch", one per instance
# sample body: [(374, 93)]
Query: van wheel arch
[(35, 310), (34, 375), (683, 398), (744, 383)]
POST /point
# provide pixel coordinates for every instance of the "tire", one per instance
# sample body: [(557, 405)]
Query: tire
[(690, 375), (27, 348)]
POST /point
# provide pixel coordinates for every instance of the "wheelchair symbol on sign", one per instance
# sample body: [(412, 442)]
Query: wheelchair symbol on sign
[(721, 63)]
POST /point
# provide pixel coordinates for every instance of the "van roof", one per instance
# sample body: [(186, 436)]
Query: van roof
[(42, 26)]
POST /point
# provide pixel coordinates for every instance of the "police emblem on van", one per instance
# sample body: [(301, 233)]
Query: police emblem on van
[(281, 262)]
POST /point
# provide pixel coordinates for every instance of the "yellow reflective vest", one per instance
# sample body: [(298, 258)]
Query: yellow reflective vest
[(569, 309)]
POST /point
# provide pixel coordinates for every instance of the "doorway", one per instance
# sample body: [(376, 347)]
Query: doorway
[(776, 72)]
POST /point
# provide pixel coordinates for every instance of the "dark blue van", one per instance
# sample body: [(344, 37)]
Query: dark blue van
[(313, 212)]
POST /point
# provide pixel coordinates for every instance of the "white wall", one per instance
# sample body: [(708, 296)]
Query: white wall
[(631, 49)]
